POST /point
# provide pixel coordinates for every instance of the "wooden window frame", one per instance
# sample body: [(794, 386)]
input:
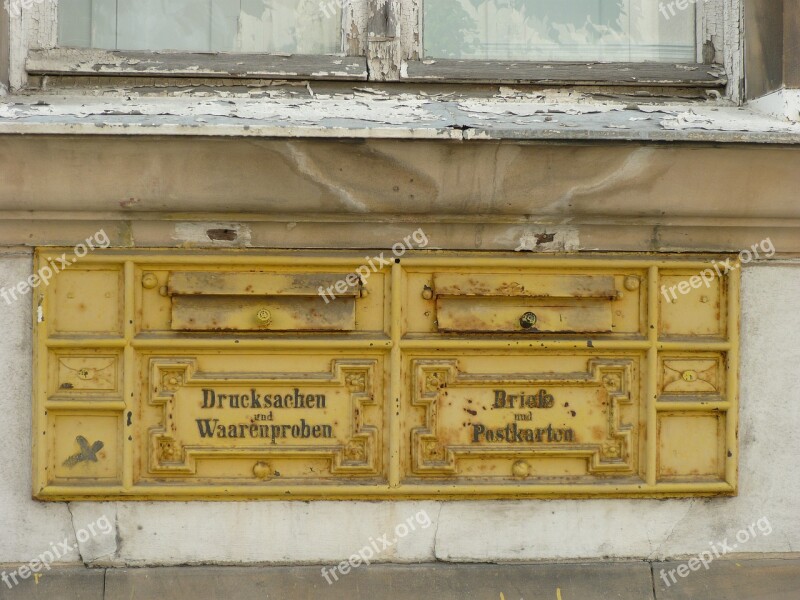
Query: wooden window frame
[(710, 70), (383, 42)]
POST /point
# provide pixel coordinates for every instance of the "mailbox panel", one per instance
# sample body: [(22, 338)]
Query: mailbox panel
[(309, 375), (275, 419), (560, 417)]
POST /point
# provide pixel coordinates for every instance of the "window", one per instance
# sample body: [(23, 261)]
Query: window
[(558, 30), (270, 26), (533, 30), (548, 42)]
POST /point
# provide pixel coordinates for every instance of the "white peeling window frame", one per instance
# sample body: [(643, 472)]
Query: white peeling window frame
[(383, 42), (719, 27), (35, 51)]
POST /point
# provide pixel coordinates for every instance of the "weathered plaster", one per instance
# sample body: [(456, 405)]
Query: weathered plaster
[(485, 182), (28, 528)]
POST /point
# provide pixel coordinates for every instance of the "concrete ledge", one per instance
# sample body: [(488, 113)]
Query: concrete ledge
[(752, 579), (767, 579), (68, 583), (443, 582)]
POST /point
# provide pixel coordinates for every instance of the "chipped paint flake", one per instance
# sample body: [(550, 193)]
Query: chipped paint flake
[(550, 239), (367, 112), (234, 235), (742, 121)]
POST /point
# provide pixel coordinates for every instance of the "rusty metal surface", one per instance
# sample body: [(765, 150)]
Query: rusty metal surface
[(298, 313), (252, 301), (453, 376)]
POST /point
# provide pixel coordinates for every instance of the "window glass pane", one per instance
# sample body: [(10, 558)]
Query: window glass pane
[(560, 30), (292, 26)]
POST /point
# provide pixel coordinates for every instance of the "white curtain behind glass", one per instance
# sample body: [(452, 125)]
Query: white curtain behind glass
[(291, 26), (559, 30)]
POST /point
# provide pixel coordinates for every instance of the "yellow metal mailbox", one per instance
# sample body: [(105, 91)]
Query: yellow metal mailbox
[(172, 375)]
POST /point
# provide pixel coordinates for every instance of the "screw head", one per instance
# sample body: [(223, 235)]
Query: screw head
[(528, 320), (264, 316)]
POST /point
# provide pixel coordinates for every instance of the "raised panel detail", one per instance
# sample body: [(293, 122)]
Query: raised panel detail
[(266, 417), (532, 416)]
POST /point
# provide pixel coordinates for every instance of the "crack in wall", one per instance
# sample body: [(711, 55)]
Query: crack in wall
[(656, 554), (77, 545), (436, 532)]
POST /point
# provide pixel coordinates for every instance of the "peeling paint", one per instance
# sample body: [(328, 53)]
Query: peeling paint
[(368, 112), (739, 121), (384, 44), (212, 234), (551, 239), (313, 111)]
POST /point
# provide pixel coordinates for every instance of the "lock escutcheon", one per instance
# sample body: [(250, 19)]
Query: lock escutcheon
[(528, 320)]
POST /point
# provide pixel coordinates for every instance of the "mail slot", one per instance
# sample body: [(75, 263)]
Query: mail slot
[(524, 303), (259, 301)]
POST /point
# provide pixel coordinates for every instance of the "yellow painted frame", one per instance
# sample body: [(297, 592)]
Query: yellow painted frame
[(395, 345)]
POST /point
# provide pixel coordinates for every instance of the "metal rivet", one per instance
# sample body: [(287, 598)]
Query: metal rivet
[(632, 283), (520, 469), (704, 299), (149, 281), (262, 470)]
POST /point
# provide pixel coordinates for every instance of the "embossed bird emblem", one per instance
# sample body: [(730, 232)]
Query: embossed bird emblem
[(87, 453)]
